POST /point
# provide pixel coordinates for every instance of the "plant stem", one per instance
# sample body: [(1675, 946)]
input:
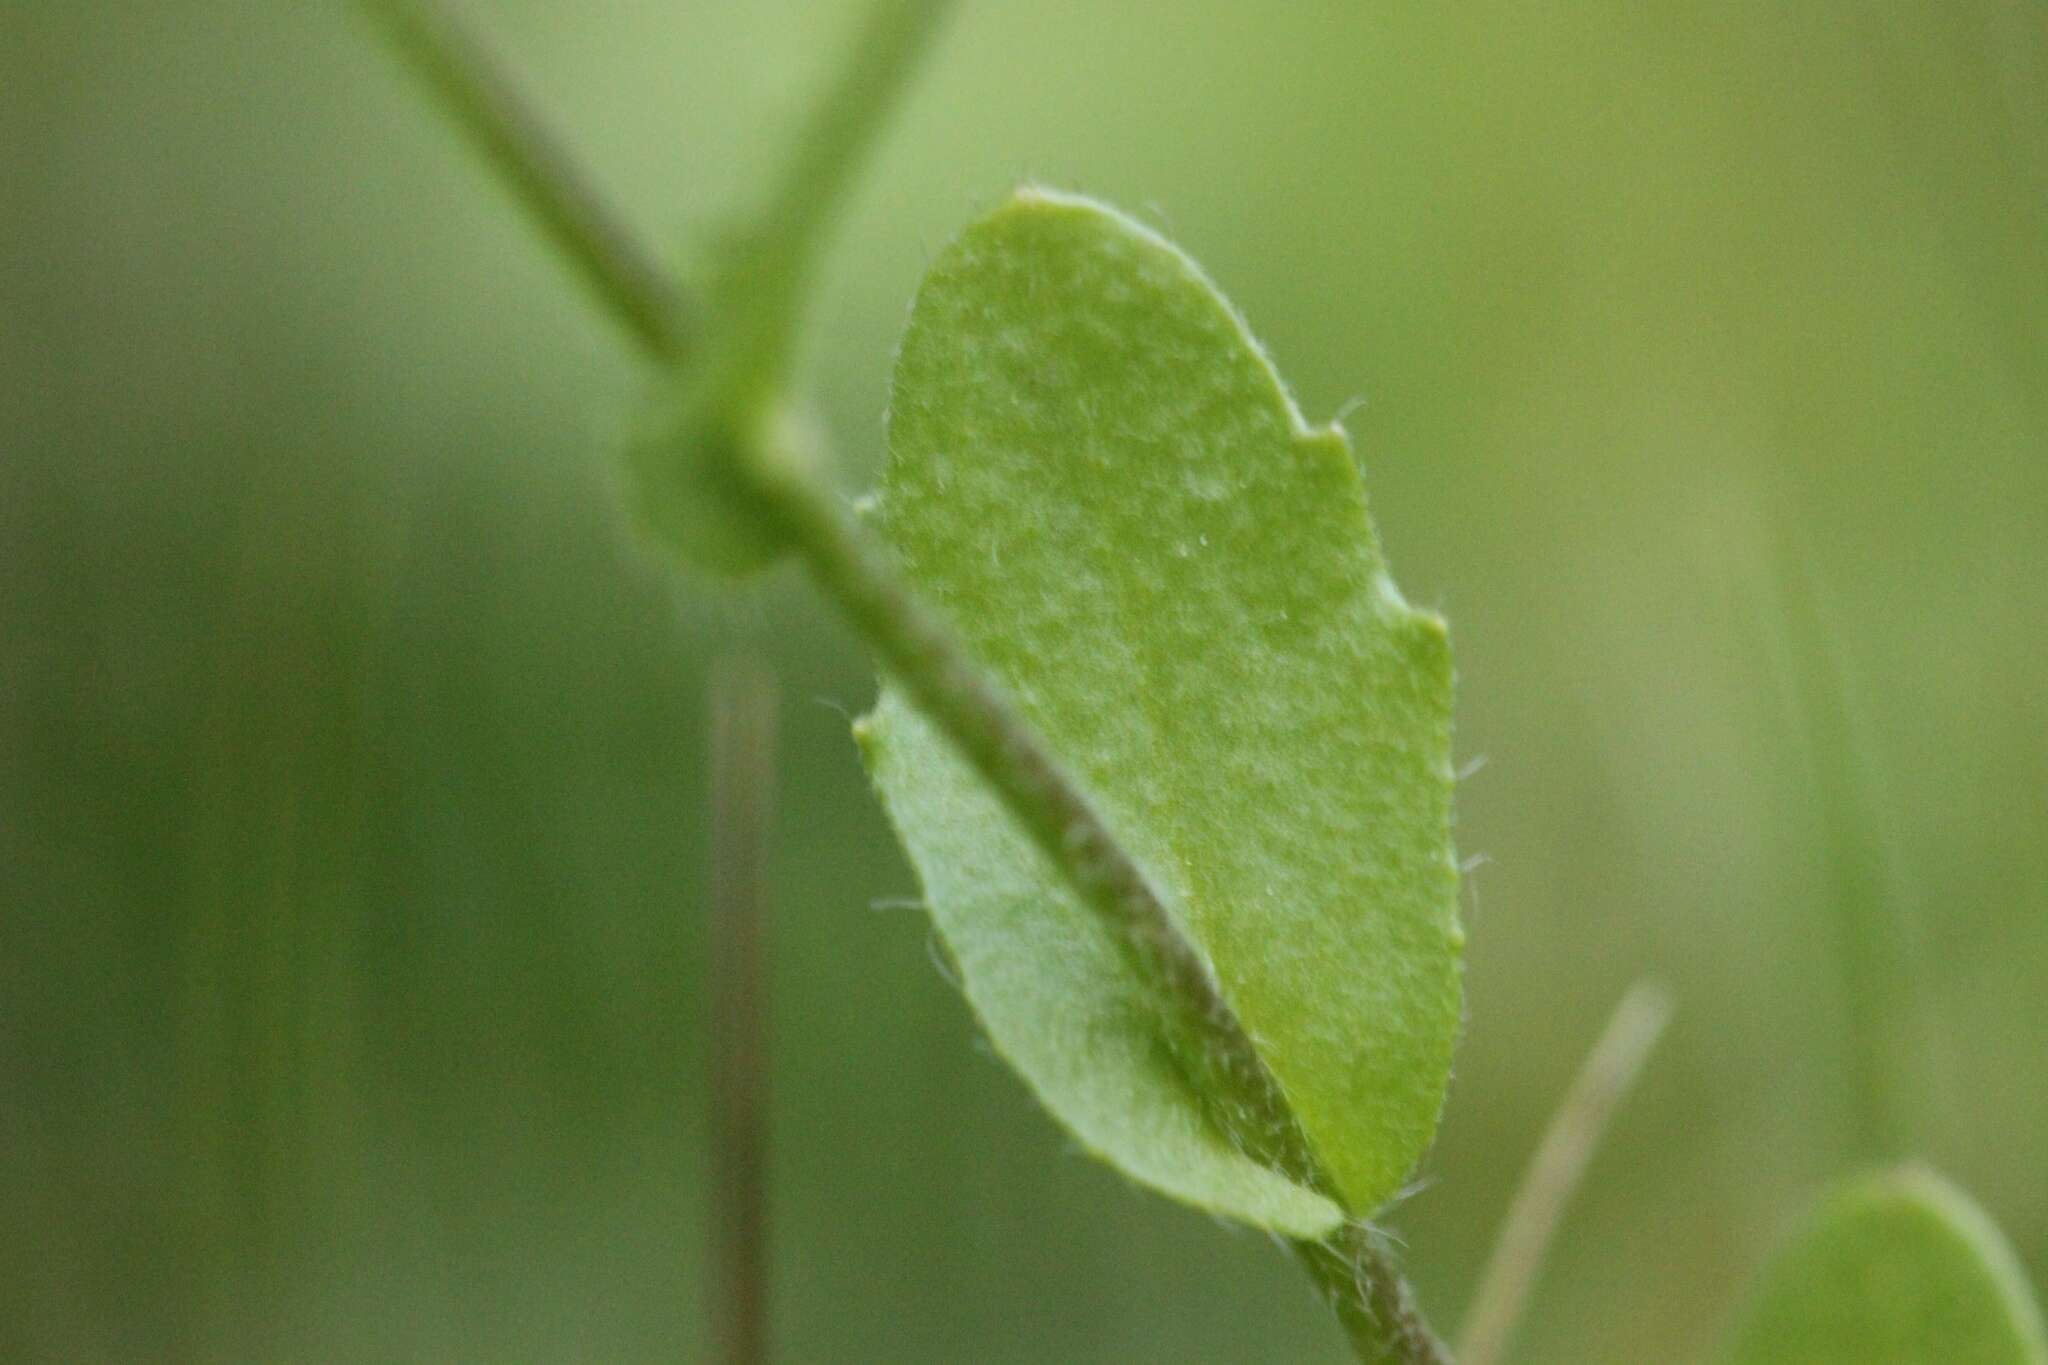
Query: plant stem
[(1373, 1303), (475, 90), (926, 660), (743, 696), (842, 129), (1554, 1171), (1371, 1299)]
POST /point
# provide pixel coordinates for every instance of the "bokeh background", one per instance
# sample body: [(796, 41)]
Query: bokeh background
[(351, 801)]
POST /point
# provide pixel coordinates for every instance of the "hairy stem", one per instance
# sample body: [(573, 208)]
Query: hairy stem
[(1353, 1269), (475, 91), (743, 697), (1355, 1273), (1554, 1171), (927, 661), (1373, 1303)]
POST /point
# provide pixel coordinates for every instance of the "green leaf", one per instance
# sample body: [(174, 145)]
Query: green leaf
[(1894, 1269), (1097, 477)]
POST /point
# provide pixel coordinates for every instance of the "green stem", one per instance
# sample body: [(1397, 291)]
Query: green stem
[(925, 659), (842, 130), (1359, 1278), (1372, 1301), (474, 89), (756, 292)]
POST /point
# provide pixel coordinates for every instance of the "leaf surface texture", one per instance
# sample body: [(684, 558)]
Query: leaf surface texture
[(1099, 480)]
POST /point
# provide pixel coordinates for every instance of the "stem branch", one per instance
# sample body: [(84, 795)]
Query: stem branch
[(843, 127), (478, 94), (1554, 1171)]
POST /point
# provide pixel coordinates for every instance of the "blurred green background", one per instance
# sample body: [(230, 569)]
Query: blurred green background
[(351, 807)]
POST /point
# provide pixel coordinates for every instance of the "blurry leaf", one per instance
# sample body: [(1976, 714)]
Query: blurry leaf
[(686, 462), (1895, 1269), (1096, 474)]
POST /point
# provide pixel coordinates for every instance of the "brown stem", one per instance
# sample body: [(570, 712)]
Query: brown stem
[(742, 769)]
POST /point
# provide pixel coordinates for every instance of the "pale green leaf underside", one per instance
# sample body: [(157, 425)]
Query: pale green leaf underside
[(1096, 475), (1049, 982), (1896, 1269)]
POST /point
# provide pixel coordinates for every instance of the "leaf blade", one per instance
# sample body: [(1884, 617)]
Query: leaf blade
[(1028, 949), (1097, 475), (1899, 1268)]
